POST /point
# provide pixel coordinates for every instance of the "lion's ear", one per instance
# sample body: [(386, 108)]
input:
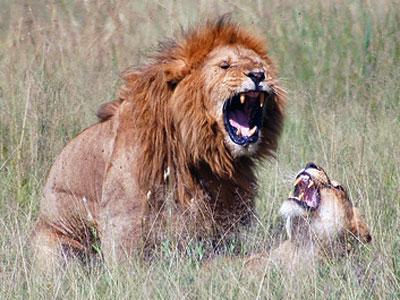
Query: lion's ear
[(175, 71), (359, 228), (130, 75)]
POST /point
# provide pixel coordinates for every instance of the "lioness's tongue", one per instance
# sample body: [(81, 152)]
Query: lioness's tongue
[(311, 197), (240, 121)]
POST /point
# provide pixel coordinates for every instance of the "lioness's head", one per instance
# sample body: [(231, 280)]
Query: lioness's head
[(323, 205)]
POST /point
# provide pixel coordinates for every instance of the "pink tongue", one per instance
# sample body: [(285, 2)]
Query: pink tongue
[(239, 120), (311, 197)]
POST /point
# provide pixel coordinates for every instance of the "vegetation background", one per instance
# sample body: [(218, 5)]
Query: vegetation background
[(340, 62)]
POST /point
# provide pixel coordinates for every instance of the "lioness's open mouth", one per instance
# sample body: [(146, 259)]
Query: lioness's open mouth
[(306, 192), (243, 114)]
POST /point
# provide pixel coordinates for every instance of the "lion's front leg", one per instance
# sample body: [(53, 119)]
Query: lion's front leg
[(121, 211), (121, 233)]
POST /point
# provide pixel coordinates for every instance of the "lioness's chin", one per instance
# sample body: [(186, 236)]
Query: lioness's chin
[(290, 209)]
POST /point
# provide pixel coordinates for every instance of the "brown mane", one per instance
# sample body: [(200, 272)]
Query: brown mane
[(151, 88)]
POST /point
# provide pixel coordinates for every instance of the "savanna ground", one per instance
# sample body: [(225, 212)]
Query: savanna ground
[(339, 61)]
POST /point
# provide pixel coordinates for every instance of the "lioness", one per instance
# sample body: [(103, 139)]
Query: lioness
[(320, 221)]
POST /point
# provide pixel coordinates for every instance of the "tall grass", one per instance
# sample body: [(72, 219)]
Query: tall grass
[(340, 62)]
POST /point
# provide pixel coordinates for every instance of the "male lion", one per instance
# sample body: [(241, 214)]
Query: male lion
[(320, 220), (188, 127)]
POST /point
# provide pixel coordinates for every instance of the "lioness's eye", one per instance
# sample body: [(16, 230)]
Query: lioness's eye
[(340, 188), (224, 65)]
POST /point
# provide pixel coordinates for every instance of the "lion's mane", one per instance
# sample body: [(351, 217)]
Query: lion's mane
[(179, 140)]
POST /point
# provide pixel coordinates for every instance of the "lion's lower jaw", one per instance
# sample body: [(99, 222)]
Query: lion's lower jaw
[(238, 151)]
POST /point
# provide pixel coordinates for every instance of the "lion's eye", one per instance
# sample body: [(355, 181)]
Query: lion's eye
[(224, 65)]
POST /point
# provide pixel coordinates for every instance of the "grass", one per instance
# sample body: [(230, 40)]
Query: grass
[(340, 62)]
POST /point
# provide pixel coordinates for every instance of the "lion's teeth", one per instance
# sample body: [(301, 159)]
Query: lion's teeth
[(310, 184), (301, 196), (253, 131), (297, 181), (242, 98), (238, 132), (262, 99)]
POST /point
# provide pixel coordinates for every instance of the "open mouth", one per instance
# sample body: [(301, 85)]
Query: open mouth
[(243, 115), (306, 193)]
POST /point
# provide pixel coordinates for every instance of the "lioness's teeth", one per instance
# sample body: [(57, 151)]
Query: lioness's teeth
[(262, 99), (253, 131), (297, 181), (242, 98), (238, 132), (310, 184), (301, 196)]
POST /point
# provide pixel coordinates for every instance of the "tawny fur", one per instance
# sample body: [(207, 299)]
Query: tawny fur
[(328, 232), (161, 139)]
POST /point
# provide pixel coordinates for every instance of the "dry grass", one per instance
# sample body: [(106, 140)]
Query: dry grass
[(340, 62)]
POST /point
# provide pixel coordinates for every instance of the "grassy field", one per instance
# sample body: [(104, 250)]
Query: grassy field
[(340, 62)]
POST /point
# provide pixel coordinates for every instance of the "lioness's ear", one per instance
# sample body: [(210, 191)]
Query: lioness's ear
[(359, 228), (338, 186), (175, 71)]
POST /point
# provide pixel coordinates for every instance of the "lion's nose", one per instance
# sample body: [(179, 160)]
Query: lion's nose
[(256, 76)]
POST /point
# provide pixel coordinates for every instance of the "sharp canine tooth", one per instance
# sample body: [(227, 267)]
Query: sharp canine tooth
[(238, 132), (262, 99), (297, 181), (253, 131), (310, 184), (301, 196), (242, 98)]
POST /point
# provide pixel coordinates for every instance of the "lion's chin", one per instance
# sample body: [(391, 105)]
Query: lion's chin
[(238, 150)]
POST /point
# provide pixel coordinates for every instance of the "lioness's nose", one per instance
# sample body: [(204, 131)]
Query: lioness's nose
[(311, 165), (256, 76)]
